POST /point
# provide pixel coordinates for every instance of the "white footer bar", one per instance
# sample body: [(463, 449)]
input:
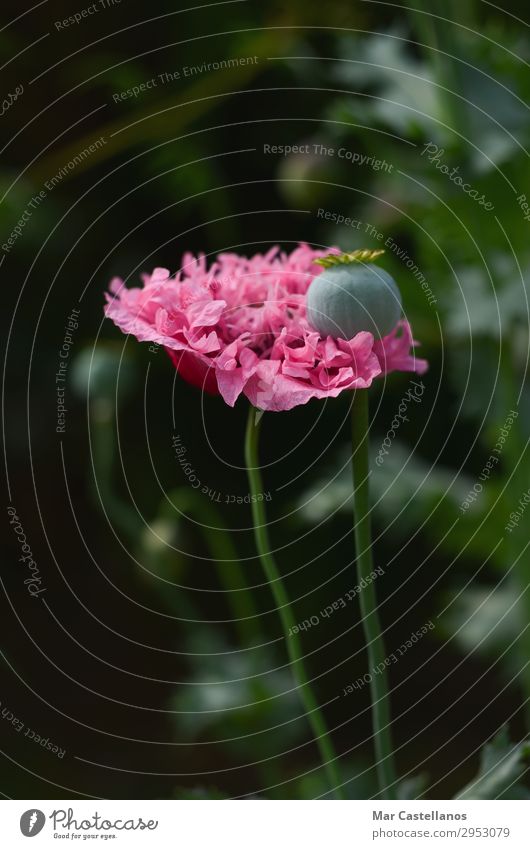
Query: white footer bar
[(257, 824)]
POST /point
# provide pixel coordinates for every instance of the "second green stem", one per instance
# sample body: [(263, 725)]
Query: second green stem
[(368, 602)]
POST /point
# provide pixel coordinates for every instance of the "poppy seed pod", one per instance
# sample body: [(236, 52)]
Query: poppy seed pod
[(352, 295)]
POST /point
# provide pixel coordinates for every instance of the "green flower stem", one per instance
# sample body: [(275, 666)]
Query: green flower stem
[(368, 602), (292, 641)]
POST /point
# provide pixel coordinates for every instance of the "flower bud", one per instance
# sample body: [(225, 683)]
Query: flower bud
[(351, 295)]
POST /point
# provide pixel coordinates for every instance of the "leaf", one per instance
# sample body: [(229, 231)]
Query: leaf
[(406, 97), (487, 307), (237, 697), (487, 621), (410, 493), (413, 786), (405, 488), (502, 765)]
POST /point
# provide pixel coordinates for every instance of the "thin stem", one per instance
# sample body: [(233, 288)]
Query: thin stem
[(292, 641), (367, 598)]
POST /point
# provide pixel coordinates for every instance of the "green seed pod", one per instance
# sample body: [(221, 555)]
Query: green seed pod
[(351, 295)]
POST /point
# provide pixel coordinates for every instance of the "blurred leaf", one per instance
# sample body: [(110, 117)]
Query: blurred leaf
[(229, 698), (502, 765), (412, 787), (408, 492), (485, 307), (488, 621), (405, 98), (405, 486)]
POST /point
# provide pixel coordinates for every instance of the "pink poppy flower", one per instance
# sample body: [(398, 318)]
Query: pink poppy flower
[(240, 327)]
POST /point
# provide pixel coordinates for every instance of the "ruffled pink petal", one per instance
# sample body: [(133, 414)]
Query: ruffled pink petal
[(232, 375), (204, 313), (394, 351)]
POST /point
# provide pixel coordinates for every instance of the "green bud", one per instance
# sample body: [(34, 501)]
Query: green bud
[(350, 296)]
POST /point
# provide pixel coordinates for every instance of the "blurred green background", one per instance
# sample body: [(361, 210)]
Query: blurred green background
[(151, 663)]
